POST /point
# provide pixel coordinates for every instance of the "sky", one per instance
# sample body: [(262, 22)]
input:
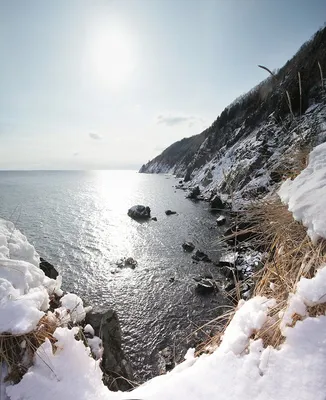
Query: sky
[(109, 84)]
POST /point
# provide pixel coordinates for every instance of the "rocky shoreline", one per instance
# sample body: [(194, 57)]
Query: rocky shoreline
[(116, 368)]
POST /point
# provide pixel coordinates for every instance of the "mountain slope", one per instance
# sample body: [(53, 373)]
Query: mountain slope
[(257, 129)]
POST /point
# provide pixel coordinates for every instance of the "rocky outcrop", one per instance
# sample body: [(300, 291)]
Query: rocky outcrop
[(139, 212), (194, 193), (128, 262), (48, 269), (117, 371), (242, 154), (217, 203)]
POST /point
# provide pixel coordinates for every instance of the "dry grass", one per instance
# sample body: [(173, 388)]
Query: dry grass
[(291, 255), (15, 348)]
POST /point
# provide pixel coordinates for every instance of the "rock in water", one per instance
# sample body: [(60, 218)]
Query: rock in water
[(116, 369), (169, 212), (127, 262), (221, 220), (200, 256), (188, 246), (139, 212), (166, 362), (217, 203), (154, 219), (194, 193), (48, 269), (205, 286)]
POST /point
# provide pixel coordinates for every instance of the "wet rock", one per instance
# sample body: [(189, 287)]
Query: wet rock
[(169, 212), (194, 193), (181, 182), (217, 203), (48, 269), (188, 246), (127, 262), (221, 220), (201, 256), (116, 368), (205, 286), (139, 212), (232, 273), (154, 219), (240, 232), (166, 360), (228, 259), (205, 276)]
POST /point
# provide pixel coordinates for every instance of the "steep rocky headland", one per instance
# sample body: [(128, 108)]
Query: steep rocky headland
[(247, 148)]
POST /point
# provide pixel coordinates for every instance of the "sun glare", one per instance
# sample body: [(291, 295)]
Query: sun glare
[(112, 56)]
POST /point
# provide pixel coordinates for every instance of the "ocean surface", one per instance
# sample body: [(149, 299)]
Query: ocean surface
[(78, 221)]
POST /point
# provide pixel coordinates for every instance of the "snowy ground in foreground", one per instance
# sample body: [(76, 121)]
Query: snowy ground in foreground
[(241, 368)]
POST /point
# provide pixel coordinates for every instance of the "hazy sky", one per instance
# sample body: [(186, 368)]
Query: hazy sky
[(109, 84)]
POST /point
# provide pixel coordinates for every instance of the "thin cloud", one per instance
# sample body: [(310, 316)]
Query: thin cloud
[(173, 120), (76, 154), (95, 136)]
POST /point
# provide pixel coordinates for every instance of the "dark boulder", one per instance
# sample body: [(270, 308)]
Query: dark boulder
[(188, 246), (154, 219), (169, 212), (194, 193), (221, 220), (232, 273), (205, 286), (139, 212), (48, 269), (117, 371), (127, 262), (217, 203), (200, 256)]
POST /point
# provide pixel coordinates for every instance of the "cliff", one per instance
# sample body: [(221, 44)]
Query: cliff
[(246, 147)]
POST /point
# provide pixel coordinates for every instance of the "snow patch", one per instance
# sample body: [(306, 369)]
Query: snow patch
[(305, 195)]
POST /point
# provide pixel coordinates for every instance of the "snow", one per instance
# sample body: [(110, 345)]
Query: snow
[(305, 195), (14, 245), (89, 329), (24, 288), (74, 305), (69, 372)]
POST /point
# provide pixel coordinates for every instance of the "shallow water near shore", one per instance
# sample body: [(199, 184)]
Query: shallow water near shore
[(78, 221)]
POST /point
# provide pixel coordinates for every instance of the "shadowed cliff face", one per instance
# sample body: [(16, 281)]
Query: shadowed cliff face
[(247, 146)]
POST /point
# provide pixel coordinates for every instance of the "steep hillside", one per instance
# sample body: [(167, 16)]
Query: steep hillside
[(244, 147), (176, 155)]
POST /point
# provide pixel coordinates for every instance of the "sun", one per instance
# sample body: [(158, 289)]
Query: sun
[(112, 56)]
